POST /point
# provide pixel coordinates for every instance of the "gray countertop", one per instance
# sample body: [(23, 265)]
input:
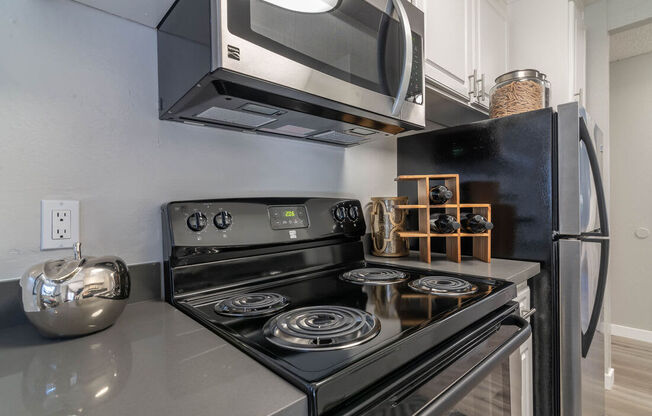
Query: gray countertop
[(510, 270), (153, 361), (157, 361)]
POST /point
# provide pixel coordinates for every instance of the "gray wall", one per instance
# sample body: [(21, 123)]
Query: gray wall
[(78, 120), (631, 182)]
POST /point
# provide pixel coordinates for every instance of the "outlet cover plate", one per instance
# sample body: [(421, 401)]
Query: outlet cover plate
[(49, 238)]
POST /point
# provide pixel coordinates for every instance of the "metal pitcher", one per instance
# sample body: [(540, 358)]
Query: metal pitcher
[(386, 222)]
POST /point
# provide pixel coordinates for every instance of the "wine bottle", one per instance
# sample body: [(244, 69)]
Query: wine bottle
[(440, 194), (443, 224), (475, 223)]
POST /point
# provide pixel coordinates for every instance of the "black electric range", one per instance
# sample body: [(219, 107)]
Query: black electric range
[(286, 282)]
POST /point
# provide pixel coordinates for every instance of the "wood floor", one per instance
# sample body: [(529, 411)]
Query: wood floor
[(632, 392)]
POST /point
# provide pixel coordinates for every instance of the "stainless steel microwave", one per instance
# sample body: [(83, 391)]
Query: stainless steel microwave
[(336, 71)]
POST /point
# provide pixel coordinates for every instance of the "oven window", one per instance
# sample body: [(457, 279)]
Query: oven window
[(491, 397), (354, 41)]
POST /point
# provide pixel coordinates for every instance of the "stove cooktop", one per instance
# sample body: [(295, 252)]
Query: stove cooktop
[(314, 325), (284, 280)]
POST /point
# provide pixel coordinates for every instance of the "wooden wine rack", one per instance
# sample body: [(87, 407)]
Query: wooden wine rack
[(481, 242)]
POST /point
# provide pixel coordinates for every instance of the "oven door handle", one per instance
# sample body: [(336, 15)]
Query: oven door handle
[(470, 380), (406, 71)]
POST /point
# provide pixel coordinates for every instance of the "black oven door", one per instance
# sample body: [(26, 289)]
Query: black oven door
[(354, 50), (469, 376)]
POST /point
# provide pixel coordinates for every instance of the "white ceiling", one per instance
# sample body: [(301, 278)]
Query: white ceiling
[(630, 42), (146, 12)]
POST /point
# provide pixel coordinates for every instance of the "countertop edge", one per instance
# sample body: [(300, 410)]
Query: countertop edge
[(515, 271)]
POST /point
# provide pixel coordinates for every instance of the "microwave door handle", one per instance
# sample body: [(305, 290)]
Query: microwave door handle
[(406, 71)]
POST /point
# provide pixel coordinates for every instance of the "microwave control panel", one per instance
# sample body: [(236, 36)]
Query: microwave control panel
[(415, 88)]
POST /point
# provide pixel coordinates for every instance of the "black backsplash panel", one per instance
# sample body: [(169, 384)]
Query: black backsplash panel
[(505, 162)]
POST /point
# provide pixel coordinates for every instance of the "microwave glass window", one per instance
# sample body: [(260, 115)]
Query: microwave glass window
[(354, 41)]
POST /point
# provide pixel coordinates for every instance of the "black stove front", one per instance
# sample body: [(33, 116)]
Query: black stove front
[(303, 302)]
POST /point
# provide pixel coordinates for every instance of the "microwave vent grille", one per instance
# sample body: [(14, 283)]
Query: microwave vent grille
[(233, 117), (337, 137)]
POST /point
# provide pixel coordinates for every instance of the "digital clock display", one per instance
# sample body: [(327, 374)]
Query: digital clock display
[(288, 217)]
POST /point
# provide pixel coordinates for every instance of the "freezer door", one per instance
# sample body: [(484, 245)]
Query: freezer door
[(582, 206), (582, 278)]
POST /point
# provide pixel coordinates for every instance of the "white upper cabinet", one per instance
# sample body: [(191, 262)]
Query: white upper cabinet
[(448, 45), (492, 45), (466, 47)]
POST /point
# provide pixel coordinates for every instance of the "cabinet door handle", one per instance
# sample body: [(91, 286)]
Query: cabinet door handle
[(481, 93), (473, 84), (579, 96), (527, 314)]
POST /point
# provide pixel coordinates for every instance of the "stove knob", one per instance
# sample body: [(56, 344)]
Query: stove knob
[(197, 221), (223, 220), (340, 213), (353, 213)]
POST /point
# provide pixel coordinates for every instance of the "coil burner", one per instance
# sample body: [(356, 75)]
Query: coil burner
[(443, 286), (252, 304), (374, 276), (320, 328)]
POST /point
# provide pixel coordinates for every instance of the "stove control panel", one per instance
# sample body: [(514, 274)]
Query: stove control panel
[(211, 225)]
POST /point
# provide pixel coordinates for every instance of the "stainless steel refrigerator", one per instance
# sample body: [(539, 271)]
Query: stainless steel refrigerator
[(541, 173)]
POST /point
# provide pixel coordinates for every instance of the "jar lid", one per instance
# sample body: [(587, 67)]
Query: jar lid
[(521, 73)]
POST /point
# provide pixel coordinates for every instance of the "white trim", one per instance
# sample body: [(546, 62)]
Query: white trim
[(633, 333), (609, 379)]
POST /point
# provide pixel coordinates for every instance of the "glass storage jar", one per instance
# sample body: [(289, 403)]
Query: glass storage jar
[(519, 91)]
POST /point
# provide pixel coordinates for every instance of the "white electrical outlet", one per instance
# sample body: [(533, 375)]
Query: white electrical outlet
[(59, 224)]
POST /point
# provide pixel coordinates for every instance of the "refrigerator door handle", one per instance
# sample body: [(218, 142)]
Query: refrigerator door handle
[(597, 179), (587, 337)]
